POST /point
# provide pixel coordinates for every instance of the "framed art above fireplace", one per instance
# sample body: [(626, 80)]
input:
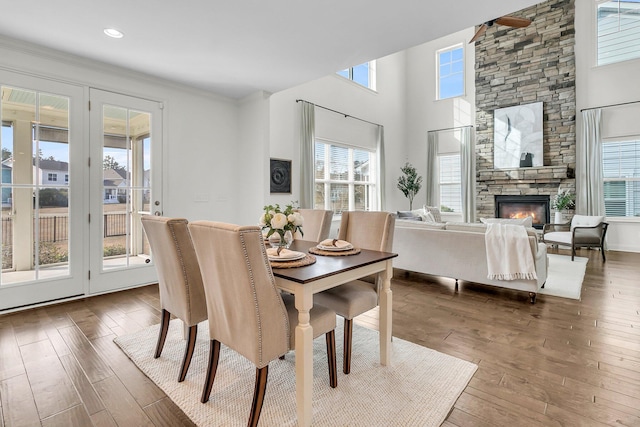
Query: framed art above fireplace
[(517, 136)]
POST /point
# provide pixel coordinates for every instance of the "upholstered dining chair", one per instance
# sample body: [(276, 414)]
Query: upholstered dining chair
[(246, 311), (179, 280), (317, 224), (365, 230), (584, 231)]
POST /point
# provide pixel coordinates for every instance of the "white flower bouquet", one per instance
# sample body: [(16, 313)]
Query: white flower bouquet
[(279, 221)]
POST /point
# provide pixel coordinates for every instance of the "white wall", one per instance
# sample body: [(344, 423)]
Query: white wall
[(200, 129), (599, 87), (385, 107), (424, 111)]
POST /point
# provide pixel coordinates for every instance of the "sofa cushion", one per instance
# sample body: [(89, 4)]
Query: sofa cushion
[(435, 212), (409, 215), (527, 221)]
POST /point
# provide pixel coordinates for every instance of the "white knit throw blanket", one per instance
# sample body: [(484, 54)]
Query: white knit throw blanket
[(509, 255)]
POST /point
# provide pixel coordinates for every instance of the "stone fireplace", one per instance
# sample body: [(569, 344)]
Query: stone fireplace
[(515, 206)]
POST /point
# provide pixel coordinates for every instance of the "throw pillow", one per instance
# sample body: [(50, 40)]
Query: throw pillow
[(409, 215), (435, 212), (527, 221)]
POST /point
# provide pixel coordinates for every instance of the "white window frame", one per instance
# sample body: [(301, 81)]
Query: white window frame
[(351, 182), (620, 179), (597, 36), (52, 177), (372, 75), (442, 183), (439, 77)]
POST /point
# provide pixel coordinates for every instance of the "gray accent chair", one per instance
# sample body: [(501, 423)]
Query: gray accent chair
[(365, 230), (179, 280), (584, 231), (247, 313)]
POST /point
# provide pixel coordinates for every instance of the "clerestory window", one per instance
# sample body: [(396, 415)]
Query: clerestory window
[(618, 31)]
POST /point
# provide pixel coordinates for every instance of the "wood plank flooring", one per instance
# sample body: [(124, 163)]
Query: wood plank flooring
[(559, 362)]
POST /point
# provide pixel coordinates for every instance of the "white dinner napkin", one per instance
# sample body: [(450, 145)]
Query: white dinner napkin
[(284, 253), (341, 244)]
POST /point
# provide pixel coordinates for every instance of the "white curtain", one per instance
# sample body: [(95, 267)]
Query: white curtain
[(307, 138), (468, 169), (380, 154), (432, 187), (589, 186)]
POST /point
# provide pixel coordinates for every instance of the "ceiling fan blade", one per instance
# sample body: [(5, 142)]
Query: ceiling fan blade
[(512, 21), (481, 31)]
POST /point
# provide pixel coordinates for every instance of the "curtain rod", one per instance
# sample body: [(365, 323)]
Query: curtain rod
[(453, 128), (611, 105), (338, 112)]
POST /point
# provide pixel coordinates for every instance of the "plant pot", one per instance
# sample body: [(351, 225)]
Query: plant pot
[(558, 219)]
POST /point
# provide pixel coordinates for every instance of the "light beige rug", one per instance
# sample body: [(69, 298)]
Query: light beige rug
[(564, 277), (418, 389)]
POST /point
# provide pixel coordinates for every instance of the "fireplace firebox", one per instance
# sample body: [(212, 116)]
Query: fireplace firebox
[(535, 206)]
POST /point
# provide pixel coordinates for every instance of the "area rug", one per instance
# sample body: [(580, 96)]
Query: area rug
[(418, 389), (564, 277)]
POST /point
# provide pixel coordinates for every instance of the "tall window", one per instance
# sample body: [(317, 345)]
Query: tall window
[(363, 74), (621, 173), (450, 72), (450, 183), (344, 178), (618, 29)]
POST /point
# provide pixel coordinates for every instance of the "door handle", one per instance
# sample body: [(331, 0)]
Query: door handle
[(157, 213)]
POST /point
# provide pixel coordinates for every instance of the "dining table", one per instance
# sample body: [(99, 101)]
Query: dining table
[(329, 272)]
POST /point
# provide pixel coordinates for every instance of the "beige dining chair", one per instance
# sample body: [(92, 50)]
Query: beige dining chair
[(365, 230), (246, 311), (316, 226), (179, 280)]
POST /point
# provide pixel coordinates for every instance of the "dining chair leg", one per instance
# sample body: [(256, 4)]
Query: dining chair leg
[(331, 356), (164, 328), (258, 395), (214, 354), (188, 352), (348, 331), (604, 259)]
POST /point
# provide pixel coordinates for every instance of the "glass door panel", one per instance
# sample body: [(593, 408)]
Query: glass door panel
[(39, 126), (130, 136)]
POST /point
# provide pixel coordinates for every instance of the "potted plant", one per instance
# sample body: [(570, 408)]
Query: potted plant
[(410, 183), (562, 201)]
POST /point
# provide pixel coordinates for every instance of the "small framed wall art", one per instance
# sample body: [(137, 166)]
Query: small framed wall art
[(517, 136), (280, 176)]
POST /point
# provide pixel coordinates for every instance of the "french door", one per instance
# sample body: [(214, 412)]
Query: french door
[(42, 191), (126, 156), (73, 189)]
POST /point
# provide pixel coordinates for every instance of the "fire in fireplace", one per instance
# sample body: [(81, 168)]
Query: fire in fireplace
[(535, 206)]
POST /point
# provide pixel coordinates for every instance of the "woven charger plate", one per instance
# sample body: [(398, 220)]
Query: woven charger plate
[(317, 251), (307, 260)]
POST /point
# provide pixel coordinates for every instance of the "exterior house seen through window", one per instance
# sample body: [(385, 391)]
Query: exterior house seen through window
[(363, 74), (450, 183), (621, 173), (51, 177), (618, 30), (450, 63), (344, 178)]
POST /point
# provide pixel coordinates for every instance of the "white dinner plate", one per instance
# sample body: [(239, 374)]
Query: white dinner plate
[(334, 249), (292, 257)]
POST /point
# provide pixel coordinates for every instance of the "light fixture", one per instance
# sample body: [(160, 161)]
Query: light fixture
[(112, 32)]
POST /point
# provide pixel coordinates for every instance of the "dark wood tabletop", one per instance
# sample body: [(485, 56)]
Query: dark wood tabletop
[(326, 266)]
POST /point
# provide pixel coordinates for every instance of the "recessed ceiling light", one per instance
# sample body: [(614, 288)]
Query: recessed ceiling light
[(112, 32)]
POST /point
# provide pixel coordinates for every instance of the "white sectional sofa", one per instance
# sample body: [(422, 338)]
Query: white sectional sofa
[(458, 251)]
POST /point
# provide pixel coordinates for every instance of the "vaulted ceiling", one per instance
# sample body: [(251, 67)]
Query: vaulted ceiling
[(237, 47)]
